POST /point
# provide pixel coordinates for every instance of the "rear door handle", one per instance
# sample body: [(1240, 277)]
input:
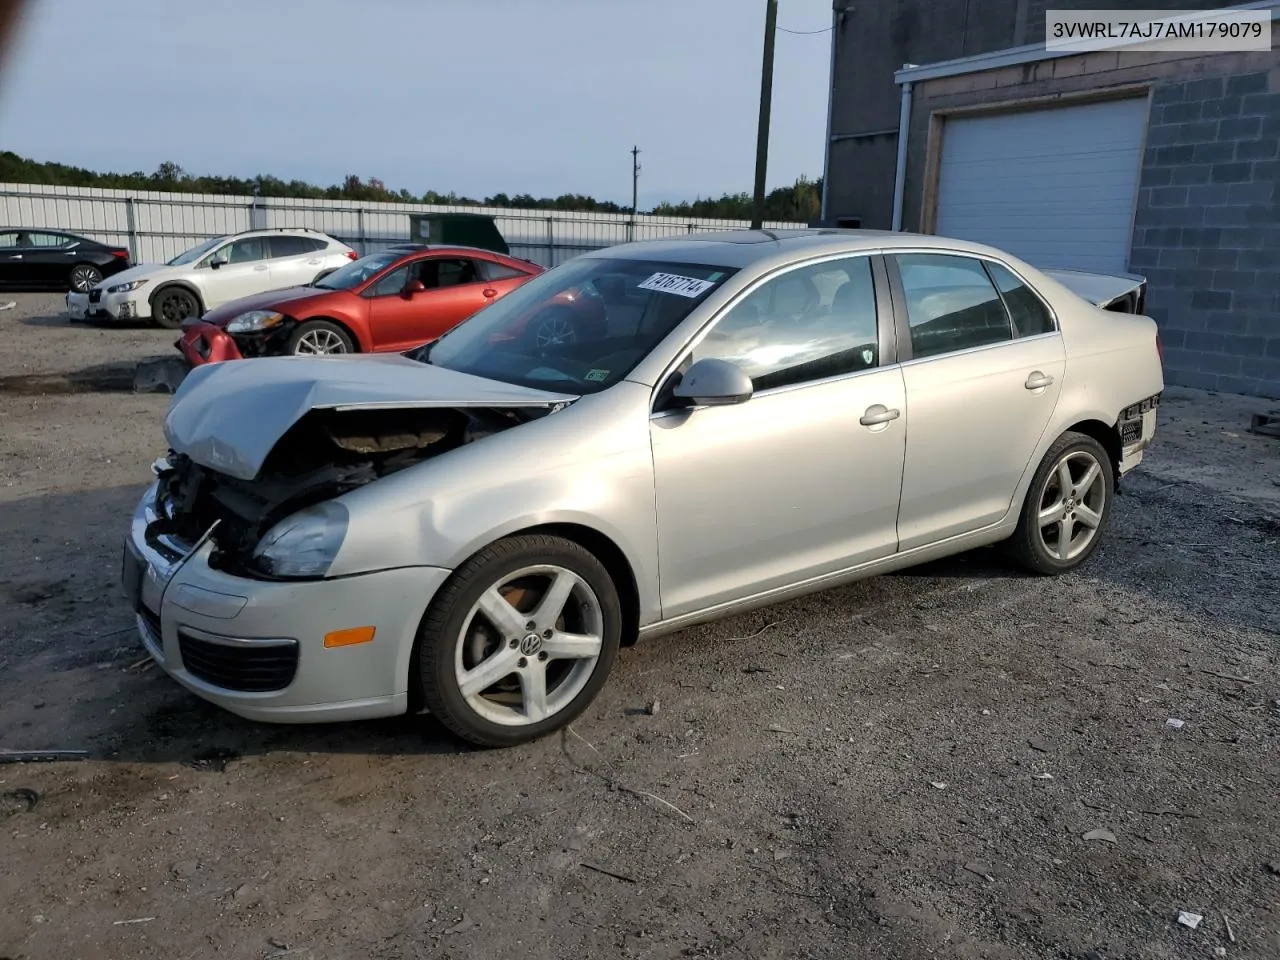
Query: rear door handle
[(490, 293), (1038, 381), (878, 415), (259, 269)]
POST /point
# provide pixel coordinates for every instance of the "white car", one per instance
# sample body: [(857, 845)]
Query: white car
[(215, 272)]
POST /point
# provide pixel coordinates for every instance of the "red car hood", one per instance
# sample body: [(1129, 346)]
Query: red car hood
[(291, 298)]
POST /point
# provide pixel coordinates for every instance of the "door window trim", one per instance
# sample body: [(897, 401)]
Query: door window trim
[(887, 336), (902, 322)]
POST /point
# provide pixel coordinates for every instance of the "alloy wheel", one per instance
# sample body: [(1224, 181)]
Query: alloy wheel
[(318, 342), (1071, 505), (84, 278), (529, 645)]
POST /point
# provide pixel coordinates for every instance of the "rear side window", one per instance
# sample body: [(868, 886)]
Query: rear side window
[(498, 271), (287, 246), (951, 304), (1030, 315), (48, 240)]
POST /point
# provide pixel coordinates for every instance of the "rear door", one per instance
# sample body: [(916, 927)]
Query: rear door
[(48, 257), (983, 363), (295, 261), (499, 279), (454, 290)]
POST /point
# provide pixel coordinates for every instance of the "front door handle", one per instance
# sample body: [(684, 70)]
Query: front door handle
[(1038, 381), (878, 415), (16, 256)]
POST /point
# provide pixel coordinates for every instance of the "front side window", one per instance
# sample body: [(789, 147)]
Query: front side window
[(196, 252), (808, 324), (249, 250), (357, 272), (390, 285), (558, 332), (1030, 315), (9, 240), (951, 304)]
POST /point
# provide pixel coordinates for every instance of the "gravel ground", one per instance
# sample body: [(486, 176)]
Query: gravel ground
[(904, 767)]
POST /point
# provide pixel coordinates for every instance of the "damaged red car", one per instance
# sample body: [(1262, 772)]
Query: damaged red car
[(385, 302)]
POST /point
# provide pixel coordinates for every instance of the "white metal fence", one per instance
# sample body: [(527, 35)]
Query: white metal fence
[(158, 226)]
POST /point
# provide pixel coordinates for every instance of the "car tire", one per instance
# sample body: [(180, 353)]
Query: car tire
[(1080, 511), (171, 305), (553, 327), (84, 277), (487, 650), (319, 338)]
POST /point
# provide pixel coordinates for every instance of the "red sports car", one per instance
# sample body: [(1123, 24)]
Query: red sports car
[(389, 301)]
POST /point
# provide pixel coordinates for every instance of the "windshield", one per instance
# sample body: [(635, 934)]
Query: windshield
[(358, 271), (195, 253), (580, 327)]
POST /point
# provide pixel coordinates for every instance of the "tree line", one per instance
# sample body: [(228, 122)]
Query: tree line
[(801, 201)]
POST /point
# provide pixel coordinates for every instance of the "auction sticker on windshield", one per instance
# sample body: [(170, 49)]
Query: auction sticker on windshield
[(690, 287)]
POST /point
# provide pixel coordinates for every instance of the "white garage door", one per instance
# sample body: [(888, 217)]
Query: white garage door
[(1055, 187)]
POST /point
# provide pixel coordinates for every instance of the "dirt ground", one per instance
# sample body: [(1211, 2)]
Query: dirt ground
[(906, 767)]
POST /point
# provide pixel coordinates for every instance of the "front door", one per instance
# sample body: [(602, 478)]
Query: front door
[(12, 271), (246, 272), (401, 320), (984, 377), (802, 479)]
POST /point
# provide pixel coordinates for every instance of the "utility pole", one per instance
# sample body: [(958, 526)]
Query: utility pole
[(635, 178), (766, 102)]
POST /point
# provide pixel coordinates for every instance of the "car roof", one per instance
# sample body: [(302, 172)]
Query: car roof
[(742, 248), (408, 248)]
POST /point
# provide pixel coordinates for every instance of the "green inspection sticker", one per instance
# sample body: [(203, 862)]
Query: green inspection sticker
[(597, 376)]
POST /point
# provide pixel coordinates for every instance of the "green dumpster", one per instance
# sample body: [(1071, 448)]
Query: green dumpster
[(463, 229)]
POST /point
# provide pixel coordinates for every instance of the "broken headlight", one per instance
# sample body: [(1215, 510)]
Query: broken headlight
[(305, 544), (255, 321)]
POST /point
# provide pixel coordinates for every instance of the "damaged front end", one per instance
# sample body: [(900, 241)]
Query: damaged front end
[(326, 453)]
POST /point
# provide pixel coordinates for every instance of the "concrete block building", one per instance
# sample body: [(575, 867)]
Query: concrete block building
[(951, 117)]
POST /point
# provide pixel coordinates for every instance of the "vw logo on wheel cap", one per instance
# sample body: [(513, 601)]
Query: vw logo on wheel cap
[(531, 644)]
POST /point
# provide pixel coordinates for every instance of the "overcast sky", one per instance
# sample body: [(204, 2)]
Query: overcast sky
[(482, 96)]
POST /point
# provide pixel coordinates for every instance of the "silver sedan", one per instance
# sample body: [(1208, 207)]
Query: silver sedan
[(721, 422)]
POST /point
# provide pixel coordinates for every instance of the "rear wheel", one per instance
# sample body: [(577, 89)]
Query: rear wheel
[(519, 641), (172, 305), (319, 337), (1067, 506), (554, 327), (84, 277)]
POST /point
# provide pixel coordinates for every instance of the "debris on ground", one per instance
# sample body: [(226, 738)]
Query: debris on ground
[(1101, 833), (653, 708), (608, 873), (121, 923), (1042, 776), (21, 800), (215, 759), (1231, 933), (982, 870), (938, 784), (41, 756), (1191, 920), (1173, 723)]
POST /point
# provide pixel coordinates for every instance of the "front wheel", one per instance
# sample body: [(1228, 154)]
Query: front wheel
[(319, 337), (172, 306), (84, 277), (519, 641), (1066, 508)]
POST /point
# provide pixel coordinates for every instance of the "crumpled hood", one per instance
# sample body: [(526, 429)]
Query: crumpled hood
[(274, 300), (228, 416), (149, 270)]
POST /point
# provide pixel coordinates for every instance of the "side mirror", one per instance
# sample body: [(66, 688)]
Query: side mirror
[(412, 287), (711, 382), (218, 261)]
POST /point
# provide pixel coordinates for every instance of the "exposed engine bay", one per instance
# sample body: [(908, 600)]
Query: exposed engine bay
[(325, 454)]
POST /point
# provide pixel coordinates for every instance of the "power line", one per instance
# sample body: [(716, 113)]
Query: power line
[(804, 33)]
